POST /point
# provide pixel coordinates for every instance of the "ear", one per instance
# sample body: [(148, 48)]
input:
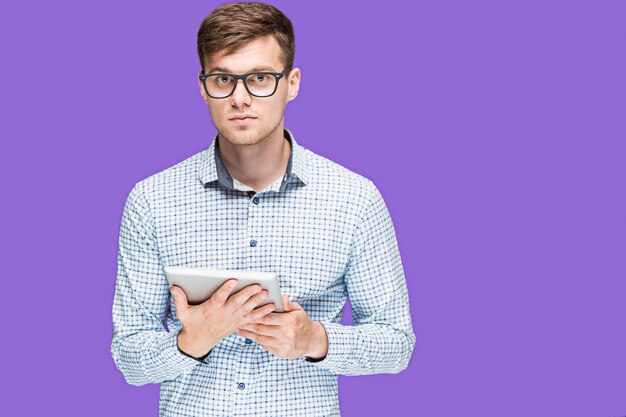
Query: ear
[(203, 93), (293, 84)]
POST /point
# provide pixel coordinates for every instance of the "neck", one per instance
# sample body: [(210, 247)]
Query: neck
[(257, 166)]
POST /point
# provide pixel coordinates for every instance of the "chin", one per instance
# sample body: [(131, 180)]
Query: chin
[(243, 137)]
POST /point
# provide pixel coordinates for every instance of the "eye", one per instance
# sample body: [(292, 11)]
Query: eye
[(223, 79), (260, 78)]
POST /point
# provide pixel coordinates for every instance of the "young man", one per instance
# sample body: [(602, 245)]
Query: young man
[(256, 200)]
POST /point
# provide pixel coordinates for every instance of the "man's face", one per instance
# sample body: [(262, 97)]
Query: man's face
[(243, 119)]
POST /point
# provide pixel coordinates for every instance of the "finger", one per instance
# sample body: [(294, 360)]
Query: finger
[(260, 339), (237, 300), (261, 329), (285, 298), (294, 306), (180, 299), (254, 301), (259, 312), (221, 295), (275, 319), (288, 305)]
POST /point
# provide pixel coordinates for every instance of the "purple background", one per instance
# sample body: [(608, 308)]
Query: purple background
[(495, 130)]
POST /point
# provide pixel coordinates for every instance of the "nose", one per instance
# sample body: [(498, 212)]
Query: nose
[(240, 96)]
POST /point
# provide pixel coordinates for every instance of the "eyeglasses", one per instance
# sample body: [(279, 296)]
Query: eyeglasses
[(258, 84)]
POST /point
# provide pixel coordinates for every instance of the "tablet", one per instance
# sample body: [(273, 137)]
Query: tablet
[(199, 283)]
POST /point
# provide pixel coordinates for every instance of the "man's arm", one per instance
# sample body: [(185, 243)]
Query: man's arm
[(382, 339), (142, 349)]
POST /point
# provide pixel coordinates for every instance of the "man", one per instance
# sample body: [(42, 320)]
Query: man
[(256, 200)]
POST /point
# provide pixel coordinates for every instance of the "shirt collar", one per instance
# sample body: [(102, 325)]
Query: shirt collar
[(211, 168)]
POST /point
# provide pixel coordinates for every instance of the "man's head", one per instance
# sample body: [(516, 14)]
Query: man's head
[(243, 38)]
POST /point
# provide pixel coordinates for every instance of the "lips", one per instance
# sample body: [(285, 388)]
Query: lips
[(242, 117)]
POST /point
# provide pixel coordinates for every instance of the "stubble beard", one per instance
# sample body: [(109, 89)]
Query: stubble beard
[(249, 137)]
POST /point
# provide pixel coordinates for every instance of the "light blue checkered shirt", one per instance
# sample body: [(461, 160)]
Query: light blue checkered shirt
[(324, 230)]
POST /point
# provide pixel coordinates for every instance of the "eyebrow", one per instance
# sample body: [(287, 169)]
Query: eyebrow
[(266, 68)]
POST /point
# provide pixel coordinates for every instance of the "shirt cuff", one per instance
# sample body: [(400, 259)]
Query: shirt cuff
[(340, 346), (200, 359), (170, 356)]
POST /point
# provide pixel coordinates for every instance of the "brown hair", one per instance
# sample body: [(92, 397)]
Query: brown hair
[(231, 26)]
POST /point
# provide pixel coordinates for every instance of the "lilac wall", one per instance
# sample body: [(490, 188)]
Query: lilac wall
[(498, 144)]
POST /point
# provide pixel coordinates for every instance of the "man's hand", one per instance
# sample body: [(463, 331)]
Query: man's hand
[(206, 324), (288, 335)]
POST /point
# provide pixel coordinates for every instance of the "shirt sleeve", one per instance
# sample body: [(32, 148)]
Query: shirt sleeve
[(142, 348), (382, 338)]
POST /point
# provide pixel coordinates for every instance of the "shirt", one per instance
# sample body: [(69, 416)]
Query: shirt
[(324, 230)]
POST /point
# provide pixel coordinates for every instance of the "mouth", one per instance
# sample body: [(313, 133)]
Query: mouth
[(241, 119)]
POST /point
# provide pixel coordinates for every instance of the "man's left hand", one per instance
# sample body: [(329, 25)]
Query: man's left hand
[(288, 335)]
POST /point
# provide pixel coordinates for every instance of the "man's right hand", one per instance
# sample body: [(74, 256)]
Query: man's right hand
[(206, 324)]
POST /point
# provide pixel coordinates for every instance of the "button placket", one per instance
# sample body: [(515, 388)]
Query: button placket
[(240, 382), (251, 217)]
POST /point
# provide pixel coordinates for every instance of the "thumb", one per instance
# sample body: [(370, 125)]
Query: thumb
[(180, 298), (285, 298), (289, 306)]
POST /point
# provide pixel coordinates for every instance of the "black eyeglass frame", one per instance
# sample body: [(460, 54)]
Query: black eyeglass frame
[(243, 78)]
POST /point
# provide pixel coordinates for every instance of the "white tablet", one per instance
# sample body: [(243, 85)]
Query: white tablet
[(199, 283)]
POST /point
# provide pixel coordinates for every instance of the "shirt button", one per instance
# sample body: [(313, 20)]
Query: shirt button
[(248, 341), (255, 200), (241, 385), (253, 243)]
